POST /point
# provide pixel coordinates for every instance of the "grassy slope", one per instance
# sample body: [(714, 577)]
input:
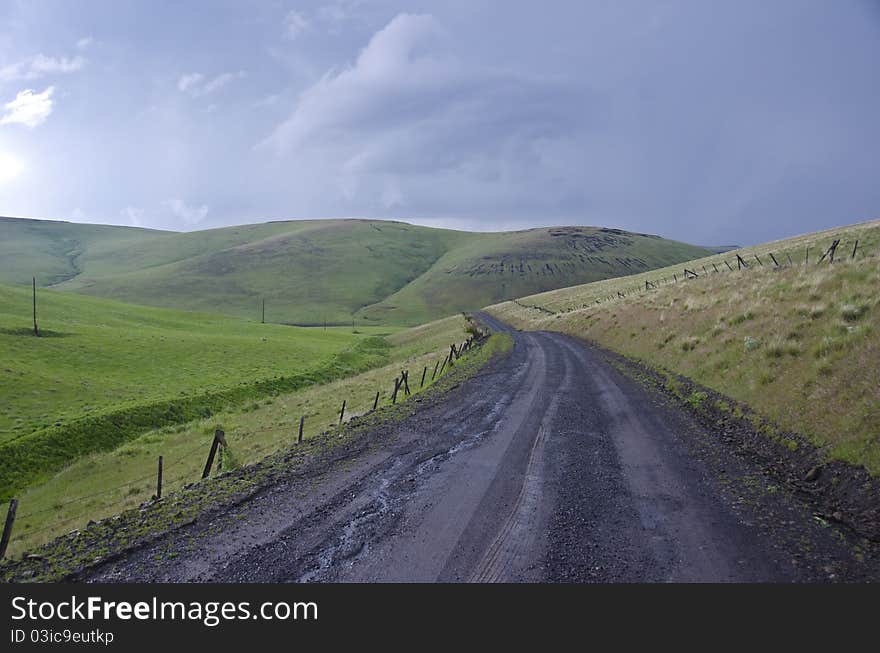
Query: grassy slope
[(105, 483), (56, 251), (100, 355), (312, 271), (490, 267), (798, 344)]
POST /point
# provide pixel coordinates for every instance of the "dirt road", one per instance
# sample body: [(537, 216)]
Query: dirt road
[(549, 465)]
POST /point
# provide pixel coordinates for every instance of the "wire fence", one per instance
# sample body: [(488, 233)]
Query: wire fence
[(835, 252), (31, 531)]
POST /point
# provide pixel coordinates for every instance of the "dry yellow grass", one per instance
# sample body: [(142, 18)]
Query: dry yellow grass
[(797, 343)]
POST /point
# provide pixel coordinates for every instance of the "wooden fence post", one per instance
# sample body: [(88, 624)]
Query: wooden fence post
[(740, 263), (405, 378), (434, 374), (219, 438), (758, 260), (444, 365), (790, 262), (855, 247), (775, 262), (424, 372), (159, 480), (342, 412), (396, 388), (830, 251), (807, 256), (376, 400), (715, 266), (728, 266), (302, 419), (7, 528)]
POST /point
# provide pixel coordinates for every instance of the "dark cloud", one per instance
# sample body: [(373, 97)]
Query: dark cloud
[(708, 122)]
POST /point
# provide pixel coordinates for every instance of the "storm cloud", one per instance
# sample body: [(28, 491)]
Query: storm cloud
[(714, 123)]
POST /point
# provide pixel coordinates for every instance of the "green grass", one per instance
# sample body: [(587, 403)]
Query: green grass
[(104, 371), (107, 482), (798, 343), (57, 251), (335, 271)]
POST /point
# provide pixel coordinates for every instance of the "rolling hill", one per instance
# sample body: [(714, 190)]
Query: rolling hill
[(795, 340), (312, 271)]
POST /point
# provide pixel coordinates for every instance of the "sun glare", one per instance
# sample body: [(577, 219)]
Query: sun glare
[(10, 167)]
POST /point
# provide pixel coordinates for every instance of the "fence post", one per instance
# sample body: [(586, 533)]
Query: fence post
[(396, 388), (434, 374), (444, 365), (405, 378), (36, 331), (790, 262), (855, 247), (342, 412), (758, 260), (159, 480), (715, 266), (728, 266), (807, 256), (7, 528), (376, 400), (775, 262), (302, 418), (830, 251), (424, 371), (219, 438)]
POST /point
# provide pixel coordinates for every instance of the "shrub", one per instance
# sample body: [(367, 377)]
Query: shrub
[(689, 344), (853, 312), (697, 398), (750, 343)]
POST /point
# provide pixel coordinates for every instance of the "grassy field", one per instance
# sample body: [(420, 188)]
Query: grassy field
[(798, 343), (103, 371), (105, 483), (309, 272)]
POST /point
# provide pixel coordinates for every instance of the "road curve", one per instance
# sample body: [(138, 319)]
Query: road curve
[(549, 465)]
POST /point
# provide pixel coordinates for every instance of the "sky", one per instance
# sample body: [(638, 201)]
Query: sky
[(710, 122)]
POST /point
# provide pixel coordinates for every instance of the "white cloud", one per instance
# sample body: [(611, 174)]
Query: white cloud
[(187, 81), (133, 215), (294, 25), (85, 43), (409, 117), (28, 108), (197, 85), (191, 215), (384, 69), (39, 66)]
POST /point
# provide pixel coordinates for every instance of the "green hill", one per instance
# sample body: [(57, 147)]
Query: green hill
[(103, 371), (309, 272)]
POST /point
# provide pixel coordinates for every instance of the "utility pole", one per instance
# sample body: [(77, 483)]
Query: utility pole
[(36, 330)]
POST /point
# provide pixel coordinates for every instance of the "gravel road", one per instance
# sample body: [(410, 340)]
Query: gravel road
[(549, 465)]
